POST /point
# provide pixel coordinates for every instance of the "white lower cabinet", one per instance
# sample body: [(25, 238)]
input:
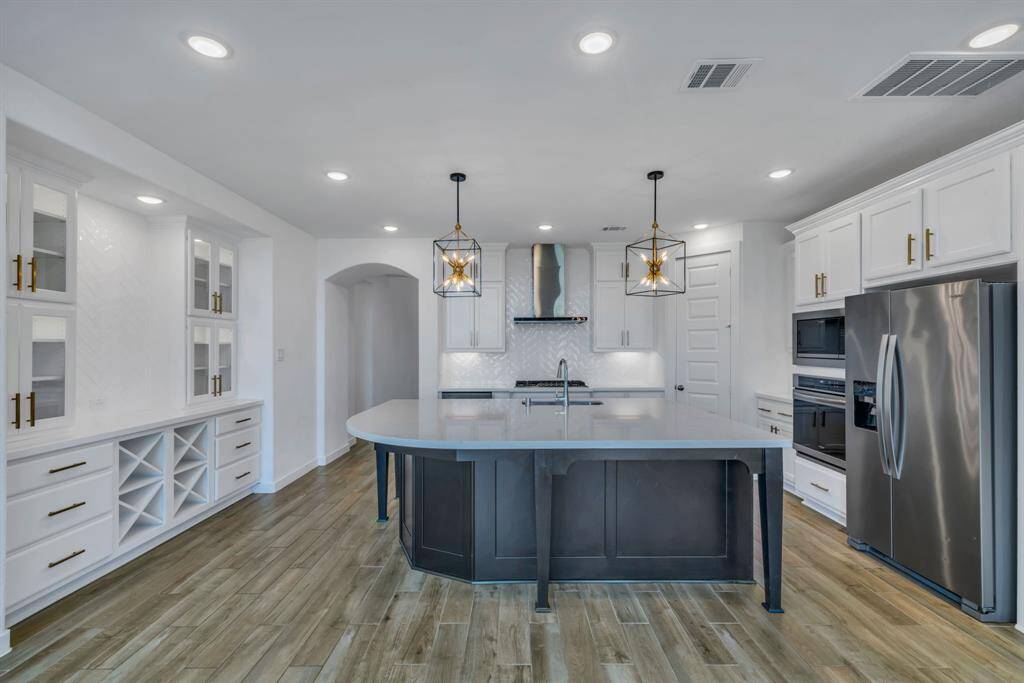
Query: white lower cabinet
[(72, 511), (823, 489), (775, 415)]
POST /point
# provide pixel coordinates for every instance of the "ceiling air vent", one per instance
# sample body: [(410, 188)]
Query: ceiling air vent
[(716, 74), (613, 228), (956, 74)]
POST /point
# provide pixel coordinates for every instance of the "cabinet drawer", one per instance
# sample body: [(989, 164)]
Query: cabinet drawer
[(236, 446), (821, 484), (55, 469), (238, 420), (45, 564), (57, 508), (237, 476), (781, 412)]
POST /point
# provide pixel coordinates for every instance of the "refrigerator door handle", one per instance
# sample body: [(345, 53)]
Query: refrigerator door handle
[(899, 436), (881, 404)]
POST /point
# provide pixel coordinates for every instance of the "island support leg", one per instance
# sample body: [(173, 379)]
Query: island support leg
[(542, 509), (382, 482), (769, 489)]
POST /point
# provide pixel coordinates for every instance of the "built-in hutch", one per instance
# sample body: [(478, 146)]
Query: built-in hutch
[(478, 323), (86, 494), (956, 216), (619, 322)]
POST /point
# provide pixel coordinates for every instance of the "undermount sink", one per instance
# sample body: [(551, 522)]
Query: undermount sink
[(572, 402)]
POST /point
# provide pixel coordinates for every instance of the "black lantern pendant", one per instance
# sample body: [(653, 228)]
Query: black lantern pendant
[(651, 257), (457, 257)]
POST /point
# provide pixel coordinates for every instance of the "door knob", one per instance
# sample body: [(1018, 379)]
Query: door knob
[(680, 387)]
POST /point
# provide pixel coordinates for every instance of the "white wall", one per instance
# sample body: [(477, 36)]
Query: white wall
[(337, 361), (130, 279), (533, 351), (5, 635)]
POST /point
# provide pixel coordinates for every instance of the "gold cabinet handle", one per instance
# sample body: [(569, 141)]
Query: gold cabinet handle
[(18, 281), (72, 466), (32, 409), (244, 419), (817, 291), (928, 235), (823, 292), (17, 410), (910, 249), (33, 268), (243, 445), (243, 475), (213, 380), (65, 509), (65, 559)]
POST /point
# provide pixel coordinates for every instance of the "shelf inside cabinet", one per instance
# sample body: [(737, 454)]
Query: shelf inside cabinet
[(140, 484)]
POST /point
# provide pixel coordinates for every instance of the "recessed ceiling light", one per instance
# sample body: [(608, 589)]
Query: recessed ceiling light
[(544, 227), (391, 228), (149, 199), (595, 43), (996, 34), (699, 226), (780, 173), (337, 175), (207, 46)]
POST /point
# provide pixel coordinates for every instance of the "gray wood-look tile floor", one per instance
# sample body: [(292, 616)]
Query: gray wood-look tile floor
[(304, 585)]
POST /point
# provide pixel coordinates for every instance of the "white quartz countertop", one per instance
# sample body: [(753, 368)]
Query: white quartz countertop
[(506, 424), (90, 429), (527, 390)]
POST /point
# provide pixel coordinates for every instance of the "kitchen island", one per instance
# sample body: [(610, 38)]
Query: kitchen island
[(625, 489)]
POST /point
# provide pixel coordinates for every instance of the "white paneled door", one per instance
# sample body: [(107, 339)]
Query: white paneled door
[(704, 334)]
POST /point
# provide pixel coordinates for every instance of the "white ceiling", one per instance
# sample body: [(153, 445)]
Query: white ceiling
[(400, 94)]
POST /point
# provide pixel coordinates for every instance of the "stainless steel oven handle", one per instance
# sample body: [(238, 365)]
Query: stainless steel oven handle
[(881, 404), (820, 399)]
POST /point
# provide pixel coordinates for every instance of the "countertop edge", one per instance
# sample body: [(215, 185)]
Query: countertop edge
[(70, 437)]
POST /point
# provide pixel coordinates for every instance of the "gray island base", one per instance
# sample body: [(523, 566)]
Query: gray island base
[(640, 491)]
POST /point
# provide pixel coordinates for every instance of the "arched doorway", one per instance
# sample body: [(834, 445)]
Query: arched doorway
[(371, 344)]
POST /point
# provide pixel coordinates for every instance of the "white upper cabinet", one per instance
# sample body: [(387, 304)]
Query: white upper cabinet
[(609, 262), (212, 276), (40, 366), (967, 213), (827, 262), (478, 323), (41, 235), (608, 316), (841, 277), (212, 359), (892, 236), (618, 322), (639, 323)]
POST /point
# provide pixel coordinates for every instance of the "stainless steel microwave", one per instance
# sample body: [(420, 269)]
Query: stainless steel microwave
[(819, 338)]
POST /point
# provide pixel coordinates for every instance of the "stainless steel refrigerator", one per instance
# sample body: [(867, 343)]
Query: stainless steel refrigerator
[(931, 437)]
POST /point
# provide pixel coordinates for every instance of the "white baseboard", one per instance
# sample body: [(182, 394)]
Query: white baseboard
[(286, 479), (834, 515), (5, 642), (345, 448), (33, 604)]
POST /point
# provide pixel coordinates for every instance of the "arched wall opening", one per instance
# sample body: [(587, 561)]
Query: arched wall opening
[(370, 344)]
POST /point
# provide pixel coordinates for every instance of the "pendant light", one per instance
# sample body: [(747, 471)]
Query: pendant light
[(457, 257), (651, 256)]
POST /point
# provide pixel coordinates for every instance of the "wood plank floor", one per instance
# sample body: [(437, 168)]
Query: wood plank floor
[(304, 585)]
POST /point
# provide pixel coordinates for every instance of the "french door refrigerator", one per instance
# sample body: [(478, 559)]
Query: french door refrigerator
[(931, 437)]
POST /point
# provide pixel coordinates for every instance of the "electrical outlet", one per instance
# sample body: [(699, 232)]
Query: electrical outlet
[(98, 403), (279, 355)]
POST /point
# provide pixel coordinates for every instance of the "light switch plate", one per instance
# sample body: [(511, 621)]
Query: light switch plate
[(279, 355)]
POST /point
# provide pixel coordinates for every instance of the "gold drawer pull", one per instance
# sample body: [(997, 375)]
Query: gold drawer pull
[(910, 249), (17, 410), (243, 474), (65, 559), (69, 507), (819, 486), (243, 445), (32, 407), (18, 282), (244, 419), (928, 235), (33, 267), (72, 466)]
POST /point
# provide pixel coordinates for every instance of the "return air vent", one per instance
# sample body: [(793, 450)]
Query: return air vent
[(716, 74), (613, 228), (957, 74)]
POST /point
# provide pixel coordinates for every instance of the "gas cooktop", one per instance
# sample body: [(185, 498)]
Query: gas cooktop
[(548, 383)]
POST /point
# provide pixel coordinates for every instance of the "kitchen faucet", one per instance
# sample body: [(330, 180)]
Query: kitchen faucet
[(563, 374)]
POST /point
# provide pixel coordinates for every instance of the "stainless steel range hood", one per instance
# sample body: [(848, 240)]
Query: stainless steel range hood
[(549, 288)]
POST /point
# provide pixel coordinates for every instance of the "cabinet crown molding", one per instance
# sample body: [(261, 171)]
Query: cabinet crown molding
[(1001, 141)]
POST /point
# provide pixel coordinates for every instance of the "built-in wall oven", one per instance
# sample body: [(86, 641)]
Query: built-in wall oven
[(819, 419), (819, 338)]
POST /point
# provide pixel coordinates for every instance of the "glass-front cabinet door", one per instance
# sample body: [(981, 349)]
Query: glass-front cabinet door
[(41, 236), (213, 276), (43, 393), (212, 357)]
